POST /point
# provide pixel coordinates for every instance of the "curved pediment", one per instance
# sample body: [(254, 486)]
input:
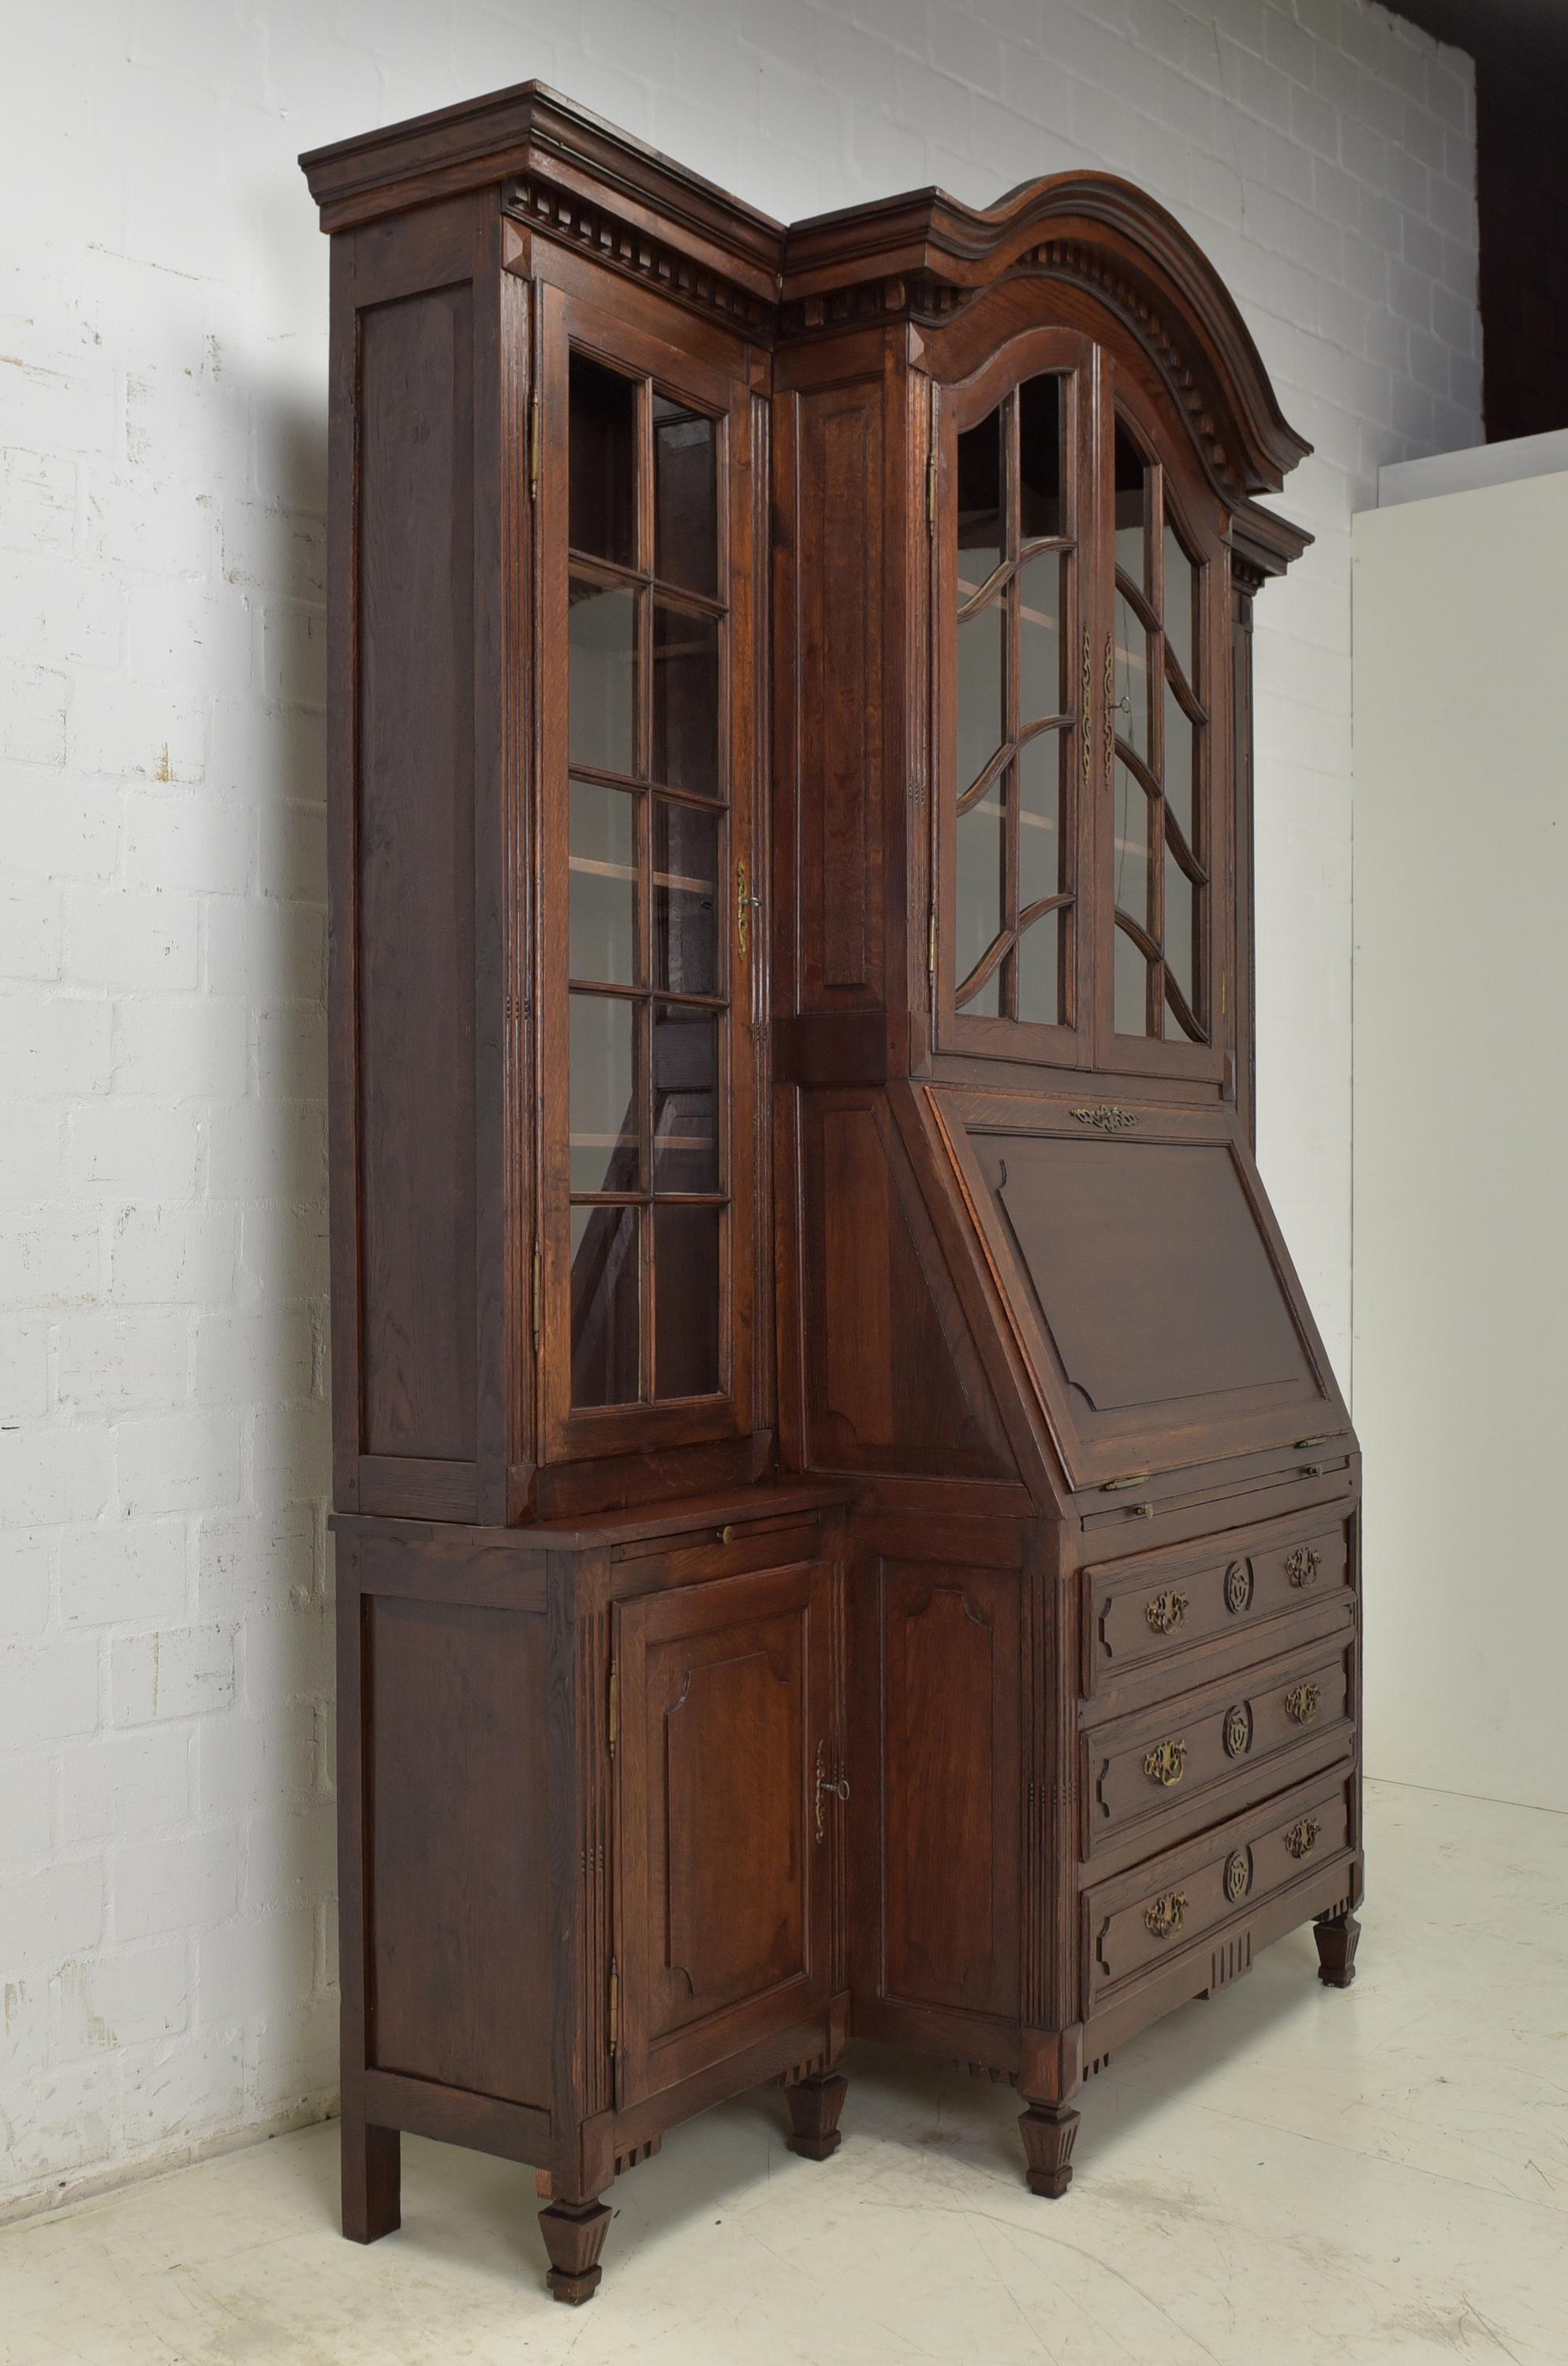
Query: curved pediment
[(927, 254)]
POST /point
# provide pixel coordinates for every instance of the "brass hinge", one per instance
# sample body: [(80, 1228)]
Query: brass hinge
[(615, 2006), (931, 944), (613, 1713), (931, 491), (533, 447), (538, 1295)]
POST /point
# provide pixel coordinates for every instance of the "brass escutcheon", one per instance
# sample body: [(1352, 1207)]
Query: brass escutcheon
[(1165, 1762), (1301, 1703), (1238, 1874), (1163, 1919), (1238, 1730), (1302, 1565), (1301, 1839), (1166, 1611)]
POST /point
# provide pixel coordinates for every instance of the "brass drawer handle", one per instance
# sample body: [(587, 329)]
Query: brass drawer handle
[(1166, 1612), (1165, 1764), (1163, 1919), (1301, 1703), (1302, 1565), (1301, 1839)]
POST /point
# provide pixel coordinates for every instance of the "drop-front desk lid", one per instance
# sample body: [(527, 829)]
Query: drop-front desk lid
[(1143, 1277)]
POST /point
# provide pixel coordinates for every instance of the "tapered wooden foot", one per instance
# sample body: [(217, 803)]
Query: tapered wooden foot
[(372, 2184), (813, 2108), (574, 2236), (1049, 2131), (1337, 1938)]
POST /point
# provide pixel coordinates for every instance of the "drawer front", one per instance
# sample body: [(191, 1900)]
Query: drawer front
[(1141, 1920), (1158, 1610), (1155, 1764)]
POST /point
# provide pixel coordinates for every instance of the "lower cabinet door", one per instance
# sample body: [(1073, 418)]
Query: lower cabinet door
[(724, 1839)]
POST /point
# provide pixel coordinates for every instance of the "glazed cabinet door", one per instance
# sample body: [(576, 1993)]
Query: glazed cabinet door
[(725, 1830), (647, 607), (1013, 504)]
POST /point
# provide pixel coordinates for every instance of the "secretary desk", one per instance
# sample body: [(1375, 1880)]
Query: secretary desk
[(844, 1518)]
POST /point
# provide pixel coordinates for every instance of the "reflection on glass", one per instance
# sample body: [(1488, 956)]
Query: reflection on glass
[(1038, 773), (601, 676), (1042, 582), (978, 913), (604, 1304), (1132, 988), (601, 898), (1180, 752), (603, 1122), (602, 440), (1181, 926), (979, 504), (1040, 458), (685, 1300), (685, 699), (1132, 511), (685, 898), (685, 1098), (1039, 971), (1181, 595), (1132, 680), (980, 690), (1131, 865), (685, 497)]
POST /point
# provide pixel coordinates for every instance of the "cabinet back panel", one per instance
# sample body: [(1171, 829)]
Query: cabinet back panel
[(414, 779), (455, 1792)]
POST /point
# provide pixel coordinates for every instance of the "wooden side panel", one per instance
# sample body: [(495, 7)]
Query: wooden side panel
[(841, 530), (455, 1801), (415, 815), (950, 1786), (893, 1379)]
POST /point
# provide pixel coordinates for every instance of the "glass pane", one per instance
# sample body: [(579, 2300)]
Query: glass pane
[(685, 497), (601, 900), (686, 1099), (980, 690), (685, 898), (685, 699), (1132, 989), (604, 1119), (1132, 511), (978, 916), (1039, 775), (1039, 971), (1181, 926), (1042, 583), (603, 466), (601, 676), (1180, 599), (979, 504), (1131, 859), (604, 1304), (1040, 458), (685, 1302), (1181, 760), (1132, 717)]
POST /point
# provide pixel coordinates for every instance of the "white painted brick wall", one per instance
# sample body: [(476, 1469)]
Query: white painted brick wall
[(165, 1822)]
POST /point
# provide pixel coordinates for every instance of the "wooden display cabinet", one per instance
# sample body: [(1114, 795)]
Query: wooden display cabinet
[(844, 1520)]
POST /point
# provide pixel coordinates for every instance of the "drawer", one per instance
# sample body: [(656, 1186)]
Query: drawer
[(1142, 1920), (1263, 1728), (1155, 1606)]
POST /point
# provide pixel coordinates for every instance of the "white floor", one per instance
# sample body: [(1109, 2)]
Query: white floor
[(1286, 2174)]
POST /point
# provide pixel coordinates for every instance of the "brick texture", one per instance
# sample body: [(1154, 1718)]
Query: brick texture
[(165, 1845)]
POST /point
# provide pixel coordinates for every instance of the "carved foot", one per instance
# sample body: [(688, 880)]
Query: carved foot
[(1048, 2132), (1337, 1940), (813, 2108), (574, 2236), (372, 2187)]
